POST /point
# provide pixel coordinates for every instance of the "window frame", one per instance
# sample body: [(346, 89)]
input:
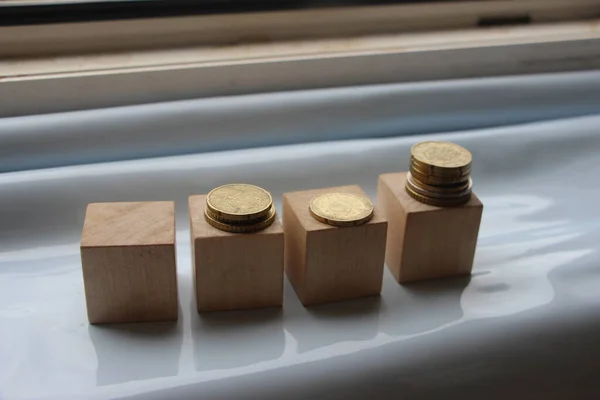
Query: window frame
[(25, 12), (306, 49)]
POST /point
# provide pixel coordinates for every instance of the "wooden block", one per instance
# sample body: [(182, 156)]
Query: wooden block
[(128, 259), (424, 241), (235, 270), (325, 263)]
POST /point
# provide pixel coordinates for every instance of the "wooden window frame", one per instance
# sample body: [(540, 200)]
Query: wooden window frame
[(70, 66)]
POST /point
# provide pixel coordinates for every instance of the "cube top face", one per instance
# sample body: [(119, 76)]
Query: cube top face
[(299, 203), (129, 224), (202, 229), (397, 180)]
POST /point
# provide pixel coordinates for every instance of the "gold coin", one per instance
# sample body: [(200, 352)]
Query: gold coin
[(437, 181), (272, 214), (225, 220), (341, 209), (238, 202), (438, 202), (433, 192), (440, 172), (447, 188), (441, 155)]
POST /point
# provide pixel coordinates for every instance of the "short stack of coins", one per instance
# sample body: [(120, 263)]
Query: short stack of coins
[(239, 208), (440, 174), (341, 209)]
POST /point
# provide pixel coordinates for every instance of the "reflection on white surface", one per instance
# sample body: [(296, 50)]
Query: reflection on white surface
[(249, 338), (519, 256), (522, 284), (133, 352), (537, 255)]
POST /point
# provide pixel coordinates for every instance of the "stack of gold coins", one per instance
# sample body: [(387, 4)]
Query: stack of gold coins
[(440, 174), (239, 208)]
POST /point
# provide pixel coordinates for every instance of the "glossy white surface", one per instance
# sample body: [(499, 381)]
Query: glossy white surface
[(226, 123), (525, 325)]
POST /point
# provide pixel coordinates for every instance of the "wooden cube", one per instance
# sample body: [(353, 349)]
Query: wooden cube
[(424, 241), (235, 270), (325, 263), (128, 260)]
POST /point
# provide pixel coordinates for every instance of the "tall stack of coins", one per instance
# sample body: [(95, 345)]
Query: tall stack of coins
[(239, 208), (440, 174)]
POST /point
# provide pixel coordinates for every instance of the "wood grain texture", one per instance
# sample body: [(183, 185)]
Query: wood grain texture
[(423, 241), (235, 270), (128, 262), (325, 263)]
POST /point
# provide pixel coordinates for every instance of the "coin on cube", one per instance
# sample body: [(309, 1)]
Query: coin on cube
[(439, 191), (449, 202), (441, 158), (242, 228), (238, 202), (341, 209), (429, 179)]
